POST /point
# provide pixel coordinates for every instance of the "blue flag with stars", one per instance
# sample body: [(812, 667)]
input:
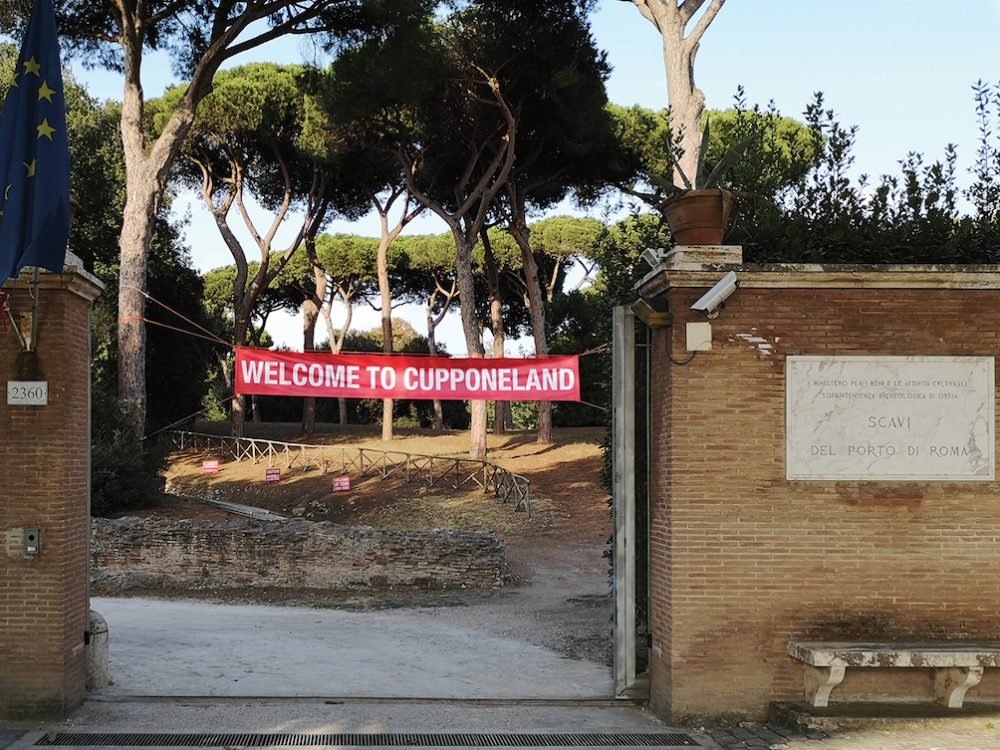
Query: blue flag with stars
[(34, 154)]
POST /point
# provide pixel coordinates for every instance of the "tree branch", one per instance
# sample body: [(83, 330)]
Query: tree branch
[(295, 20), (647, 12), (449, 298), (286, 196), (686, 9), (164, 14), (694, 38), (220, 215), (495, 176), (586, 274), (409, 167)]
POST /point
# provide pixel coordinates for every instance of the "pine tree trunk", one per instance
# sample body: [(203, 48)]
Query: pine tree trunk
[(134, 241), (336, 343), (385, 294), (310, 314), (309, 415), (477, 430), (536, 309), (387, 406), (681, 29), (237, 417), (687, 103), (432, 350), (473, 336), (500, 408), (145, 180)]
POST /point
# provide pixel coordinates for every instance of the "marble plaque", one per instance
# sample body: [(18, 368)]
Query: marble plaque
[(890, 418)]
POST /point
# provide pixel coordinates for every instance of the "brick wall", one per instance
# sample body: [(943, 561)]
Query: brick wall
[(742, 560), (44, 481), (132, 554)]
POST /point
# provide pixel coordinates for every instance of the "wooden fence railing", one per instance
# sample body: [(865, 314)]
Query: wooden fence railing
[(367, 462)]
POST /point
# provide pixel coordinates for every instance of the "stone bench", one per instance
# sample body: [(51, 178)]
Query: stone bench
[(957, 665)]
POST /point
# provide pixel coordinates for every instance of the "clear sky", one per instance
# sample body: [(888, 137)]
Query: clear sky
[(901, 70)]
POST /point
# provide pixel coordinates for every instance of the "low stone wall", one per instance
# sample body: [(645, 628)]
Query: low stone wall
[(162, 554)]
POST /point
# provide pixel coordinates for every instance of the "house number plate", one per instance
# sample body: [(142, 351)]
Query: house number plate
[(27, 393)]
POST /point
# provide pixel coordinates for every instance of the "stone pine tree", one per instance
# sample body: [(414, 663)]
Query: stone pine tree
[(566, 141), (494, 264), (242, 143), (429, 279), (457, 172), (454, 135), (338, 180), (457, 126), (350, 263), (176, 360), (376, 174), (389, 229), (306, 282), (199, 37), (681, 28)]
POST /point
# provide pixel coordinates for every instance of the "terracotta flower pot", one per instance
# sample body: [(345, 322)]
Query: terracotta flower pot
[(699, 217)]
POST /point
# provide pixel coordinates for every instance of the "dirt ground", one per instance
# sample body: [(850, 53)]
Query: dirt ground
[(559, 597), (568, 503)]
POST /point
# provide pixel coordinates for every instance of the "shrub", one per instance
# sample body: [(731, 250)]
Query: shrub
[(122, 473)]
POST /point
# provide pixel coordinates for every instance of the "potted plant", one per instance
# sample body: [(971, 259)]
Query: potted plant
[(698, 210)]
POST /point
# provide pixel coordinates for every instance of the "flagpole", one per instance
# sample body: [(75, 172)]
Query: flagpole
[(34, 161), (36, 283)]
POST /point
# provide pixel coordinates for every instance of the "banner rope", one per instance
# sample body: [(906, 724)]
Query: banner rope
[(209, 335), (213, 338), (596, 350), (189, 416)]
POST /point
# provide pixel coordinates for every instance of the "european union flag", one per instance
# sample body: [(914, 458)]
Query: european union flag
[(34, 154)]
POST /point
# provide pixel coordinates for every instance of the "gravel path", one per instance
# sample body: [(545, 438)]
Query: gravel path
[(548, 637)]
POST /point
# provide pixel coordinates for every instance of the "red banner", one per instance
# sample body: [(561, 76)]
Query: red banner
[(262, 371)]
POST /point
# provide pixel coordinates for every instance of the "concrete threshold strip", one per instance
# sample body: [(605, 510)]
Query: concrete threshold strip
[(456, 739), (620, 739), (595, 701)]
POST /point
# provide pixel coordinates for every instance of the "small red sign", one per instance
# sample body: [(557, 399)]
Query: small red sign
[(342, 484), (272, 475), (210, 467)]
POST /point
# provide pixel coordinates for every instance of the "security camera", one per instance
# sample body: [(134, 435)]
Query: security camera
[(652, 311), (652, 256), (712, 301)]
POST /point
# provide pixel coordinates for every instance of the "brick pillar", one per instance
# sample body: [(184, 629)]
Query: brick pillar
[(45, 484), (744, 557)]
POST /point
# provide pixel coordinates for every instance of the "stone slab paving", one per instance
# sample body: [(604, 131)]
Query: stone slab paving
[(965, 733), (765, 736)]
